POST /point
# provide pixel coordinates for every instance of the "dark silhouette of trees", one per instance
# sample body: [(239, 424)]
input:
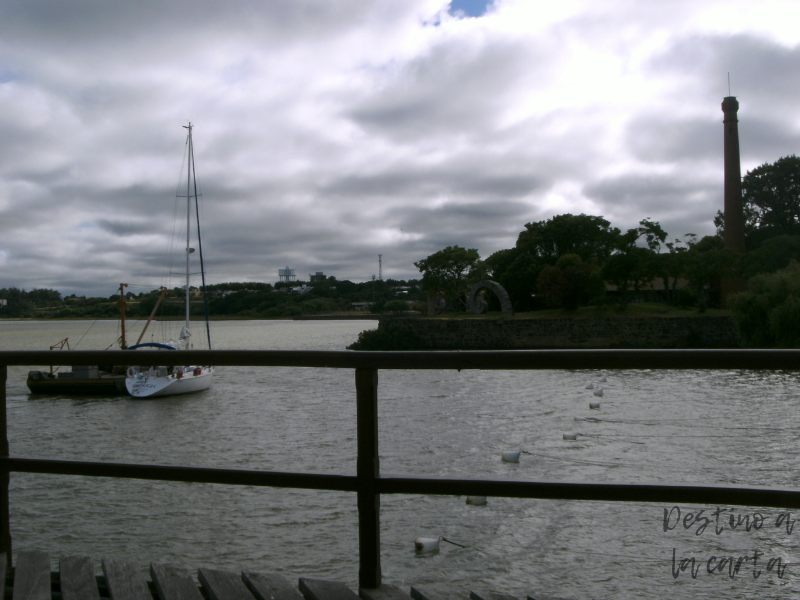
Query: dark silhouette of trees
[(567, 284), (771, 201), (451, 272)]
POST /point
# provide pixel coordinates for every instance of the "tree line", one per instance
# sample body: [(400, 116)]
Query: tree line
[(253, 300), (570, 260)]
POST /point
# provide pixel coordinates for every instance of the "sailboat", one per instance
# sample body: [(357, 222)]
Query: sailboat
[(181, 379)]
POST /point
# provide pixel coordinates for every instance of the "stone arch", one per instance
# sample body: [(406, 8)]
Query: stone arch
[(478, 306)]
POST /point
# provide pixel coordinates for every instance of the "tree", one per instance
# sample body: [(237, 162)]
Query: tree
[(565, 284), (653, 233), (592, 238), (706, 262), (773, 254), (768, 313), (450, 272), (627, 270), (771, 201), (518, 273)]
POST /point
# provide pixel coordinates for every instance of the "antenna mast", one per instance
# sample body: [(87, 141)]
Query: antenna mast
[(380, 269)]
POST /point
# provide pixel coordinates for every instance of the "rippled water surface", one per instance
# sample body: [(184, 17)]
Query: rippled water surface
[(703, 427)]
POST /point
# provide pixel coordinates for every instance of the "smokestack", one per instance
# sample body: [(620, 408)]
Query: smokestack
[(734, 210)]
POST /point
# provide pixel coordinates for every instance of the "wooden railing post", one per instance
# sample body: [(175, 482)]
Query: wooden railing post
[(367, 471), (5, 528)]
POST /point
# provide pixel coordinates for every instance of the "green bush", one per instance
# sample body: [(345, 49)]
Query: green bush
[(389, 338), (768, 313), (395, 306)]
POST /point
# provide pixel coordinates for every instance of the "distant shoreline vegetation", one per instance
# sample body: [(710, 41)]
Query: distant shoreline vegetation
[(249, 300)]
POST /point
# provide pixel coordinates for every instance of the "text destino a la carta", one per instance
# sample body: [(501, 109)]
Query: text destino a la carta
[(718, 521)]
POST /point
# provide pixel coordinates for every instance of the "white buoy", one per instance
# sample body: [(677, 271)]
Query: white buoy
[(422, 544), (510, 457), (590, 386), (599, 392), (594, 405), (476, 500), (603, 379), (571, 436), (601, 374)]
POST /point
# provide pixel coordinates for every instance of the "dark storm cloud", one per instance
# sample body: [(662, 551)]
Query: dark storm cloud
[(456, 89), (655, 138), (330, 132), (681, 205), (477, 181)]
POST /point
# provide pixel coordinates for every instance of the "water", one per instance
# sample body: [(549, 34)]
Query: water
[(660, 426)]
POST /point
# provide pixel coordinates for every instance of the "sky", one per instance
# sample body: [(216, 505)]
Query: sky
[(328, 133)]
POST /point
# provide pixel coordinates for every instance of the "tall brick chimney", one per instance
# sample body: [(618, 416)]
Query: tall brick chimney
[(734, 210)]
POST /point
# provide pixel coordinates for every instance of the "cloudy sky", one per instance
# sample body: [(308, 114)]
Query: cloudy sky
[(327, 133)]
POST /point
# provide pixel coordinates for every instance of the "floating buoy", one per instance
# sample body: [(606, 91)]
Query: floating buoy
[(571, 436), (599, 392), (476, 500), (510, 457), (603, 379), (601, 374), (594, 405), (426, 544), (590, 386)]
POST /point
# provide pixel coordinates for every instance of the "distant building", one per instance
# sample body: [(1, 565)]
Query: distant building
[(318, 276), (287, 274)]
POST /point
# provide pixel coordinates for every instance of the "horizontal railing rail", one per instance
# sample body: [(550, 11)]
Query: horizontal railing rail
[(446, 359), (368, 483), (393, 484)]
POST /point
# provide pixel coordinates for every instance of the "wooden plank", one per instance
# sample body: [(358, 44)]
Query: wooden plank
[(482, 595), (3, 571), (541, 597), (270, 586), (385, 592), (173, 583), (418, 593), (32, 576), (125, 581), (77, 578), (319, 589), (223, 585), (367, 472)]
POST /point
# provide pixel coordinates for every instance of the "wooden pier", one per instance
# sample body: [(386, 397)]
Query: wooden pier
[(75, 579)]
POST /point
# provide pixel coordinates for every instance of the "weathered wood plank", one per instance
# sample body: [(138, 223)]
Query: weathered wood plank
[(418, 593), (270, 586), (319, 589), (32, 576), (223, 585), (541, 597), (385, 592), (125, 581), (77, 578), (3, 569), (173, 583), (483, 595)]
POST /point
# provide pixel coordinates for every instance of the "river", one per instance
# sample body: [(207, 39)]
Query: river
[(703, 427)]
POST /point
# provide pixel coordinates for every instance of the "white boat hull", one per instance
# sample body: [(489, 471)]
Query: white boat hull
[(150, 383)]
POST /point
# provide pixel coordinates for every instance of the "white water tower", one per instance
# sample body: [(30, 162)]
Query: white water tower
[(286, 274)]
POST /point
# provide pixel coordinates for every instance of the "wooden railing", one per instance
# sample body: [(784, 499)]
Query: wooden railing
[(368, 483)]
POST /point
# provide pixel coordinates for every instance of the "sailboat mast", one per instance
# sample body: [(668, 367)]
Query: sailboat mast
[(189, 162)]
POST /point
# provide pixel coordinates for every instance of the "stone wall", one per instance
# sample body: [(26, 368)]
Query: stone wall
[(527, 334)]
